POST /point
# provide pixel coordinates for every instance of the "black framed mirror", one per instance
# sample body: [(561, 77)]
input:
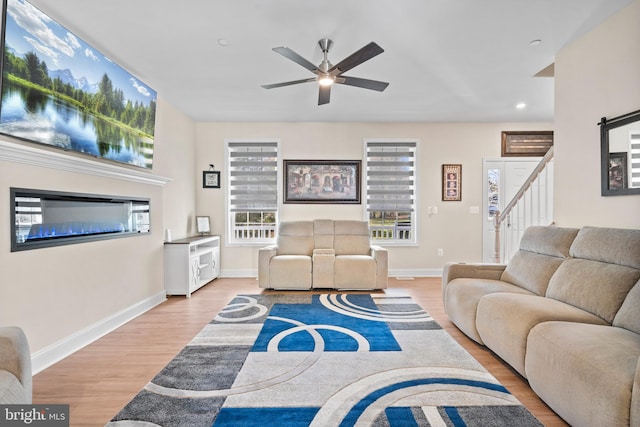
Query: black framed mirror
[(620, 154)]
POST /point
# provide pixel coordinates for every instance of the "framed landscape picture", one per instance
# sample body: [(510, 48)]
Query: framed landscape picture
[(322, 181), (60, 91)]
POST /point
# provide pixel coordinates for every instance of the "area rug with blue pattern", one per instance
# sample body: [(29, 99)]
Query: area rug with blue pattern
[(301, 359)]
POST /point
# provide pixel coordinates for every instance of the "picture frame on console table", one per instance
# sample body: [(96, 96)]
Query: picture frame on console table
[(451, 183), (203, 225), (322, 181)]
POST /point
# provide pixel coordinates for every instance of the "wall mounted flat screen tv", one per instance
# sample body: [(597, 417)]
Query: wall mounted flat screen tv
[(60, 91)]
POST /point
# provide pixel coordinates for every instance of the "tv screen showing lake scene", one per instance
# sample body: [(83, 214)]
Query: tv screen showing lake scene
[(60, 91)]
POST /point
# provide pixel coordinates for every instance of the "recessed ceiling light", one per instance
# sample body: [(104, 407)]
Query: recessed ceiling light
[(223, 42), (535, 42), (521, 106)]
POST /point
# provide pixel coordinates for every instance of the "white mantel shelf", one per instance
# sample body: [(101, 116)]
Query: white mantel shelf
[(34, 156)]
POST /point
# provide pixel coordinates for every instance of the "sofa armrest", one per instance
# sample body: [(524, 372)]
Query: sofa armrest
[(381, 257), (264, 258), (15, 356), (456, 270)]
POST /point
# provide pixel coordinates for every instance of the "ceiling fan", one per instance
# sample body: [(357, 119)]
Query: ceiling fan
[(327, 74)]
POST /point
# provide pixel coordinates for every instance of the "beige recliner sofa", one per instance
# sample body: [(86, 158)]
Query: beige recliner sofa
[(323, 253), (564, 313), (15, 367)]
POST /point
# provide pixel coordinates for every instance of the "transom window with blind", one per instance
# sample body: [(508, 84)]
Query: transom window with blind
[(252, 194), (390, 177)]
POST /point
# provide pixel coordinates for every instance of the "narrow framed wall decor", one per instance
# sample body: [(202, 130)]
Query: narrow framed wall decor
[(451, 183), (211, 179)]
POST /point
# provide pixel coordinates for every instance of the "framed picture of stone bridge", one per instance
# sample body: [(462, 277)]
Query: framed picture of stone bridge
[(322, 181)]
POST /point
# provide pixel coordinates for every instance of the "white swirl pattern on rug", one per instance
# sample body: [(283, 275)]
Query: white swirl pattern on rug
[(348, 387)]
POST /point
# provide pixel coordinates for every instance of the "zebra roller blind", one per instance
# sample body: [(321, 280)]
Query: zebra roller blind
[(253, 176)]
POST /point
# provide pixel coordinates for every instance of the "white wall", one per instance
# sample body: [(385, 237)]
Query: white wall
[(597, 76), (57, 295), (453, 229)]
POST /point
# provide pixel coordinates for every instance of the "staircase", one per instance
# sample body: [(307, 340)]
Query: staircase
[(532, 205)]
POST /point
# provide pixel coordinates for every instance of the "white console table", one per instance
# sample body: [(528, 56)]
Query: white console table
[(190, 264)]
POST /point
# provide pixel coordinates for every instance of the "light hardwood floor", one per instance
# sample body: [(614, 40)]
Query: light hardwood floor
[(98, 380)]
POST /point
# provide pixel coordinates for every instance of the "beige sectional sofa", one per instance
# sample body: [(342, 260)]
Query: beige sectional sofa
[(323, 253), (15, 367), (565, 314)]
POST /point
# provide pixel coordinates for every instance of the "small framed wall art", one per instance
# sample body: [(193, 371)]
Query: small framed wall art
[(211, 179), (451, 183)]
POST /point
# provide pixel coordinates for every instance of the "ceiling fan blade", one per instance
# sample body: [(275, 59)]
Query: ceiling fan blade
[(324, 95), (289, 54), (293, 82), (357, 58), (363, 83)]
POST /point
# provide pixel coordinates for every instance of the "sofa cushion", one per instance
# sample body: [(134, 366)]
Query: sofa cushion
[(461, 301), (604, 268), (594, 286), (531, 271), (628, 316), (505, 319), (542, 250), (323, 233), (295, 238), (11, 390), (290, 271), (351, 237), (610, 245), (355, 272), (585, 373), (548, 240)]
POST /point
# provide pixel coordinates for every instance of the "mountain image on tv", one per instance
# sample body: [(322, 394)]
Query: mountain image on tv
[(60, 91)]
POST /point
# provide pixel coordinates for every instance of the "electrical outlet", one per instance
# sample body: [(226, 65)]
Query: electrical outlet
[(440, 252)]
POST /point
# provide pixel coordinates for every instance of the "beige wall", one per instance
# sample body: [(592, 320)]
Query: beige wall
[(56, 293), (453, 229), (597, 76)]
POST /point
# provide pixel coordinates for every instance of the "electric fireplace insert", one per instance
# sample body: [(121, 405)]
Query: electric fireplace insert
[(41, 218)]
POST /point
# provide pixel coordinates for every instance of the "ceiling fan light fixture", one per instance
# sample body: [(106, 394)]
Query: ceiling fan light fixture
[(326, 80)]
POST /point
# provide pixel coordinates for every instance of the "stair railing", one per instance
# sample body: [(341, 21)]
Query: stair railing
[(532, 205)]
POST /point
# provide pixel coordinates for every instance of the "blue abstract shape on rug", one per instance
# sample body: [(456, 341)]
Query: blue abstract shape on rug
[(251, 417), (317, 317)]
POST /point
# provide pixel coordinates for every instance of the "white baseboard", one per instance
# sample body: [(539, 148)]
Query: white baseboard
[(46, 357), (420, 272), (239, 273)]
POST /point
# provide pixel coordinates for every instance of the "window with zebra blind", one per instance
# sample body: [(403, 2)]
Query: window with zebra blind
[(390, 187), (252, 193)]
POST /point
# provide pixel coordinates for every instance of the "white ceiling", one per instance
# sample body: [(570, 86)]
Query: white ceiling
[(445, 60)]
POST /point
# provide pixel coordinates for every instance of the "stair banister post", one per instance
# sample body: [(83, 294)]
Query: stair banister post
[(497, 249)]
